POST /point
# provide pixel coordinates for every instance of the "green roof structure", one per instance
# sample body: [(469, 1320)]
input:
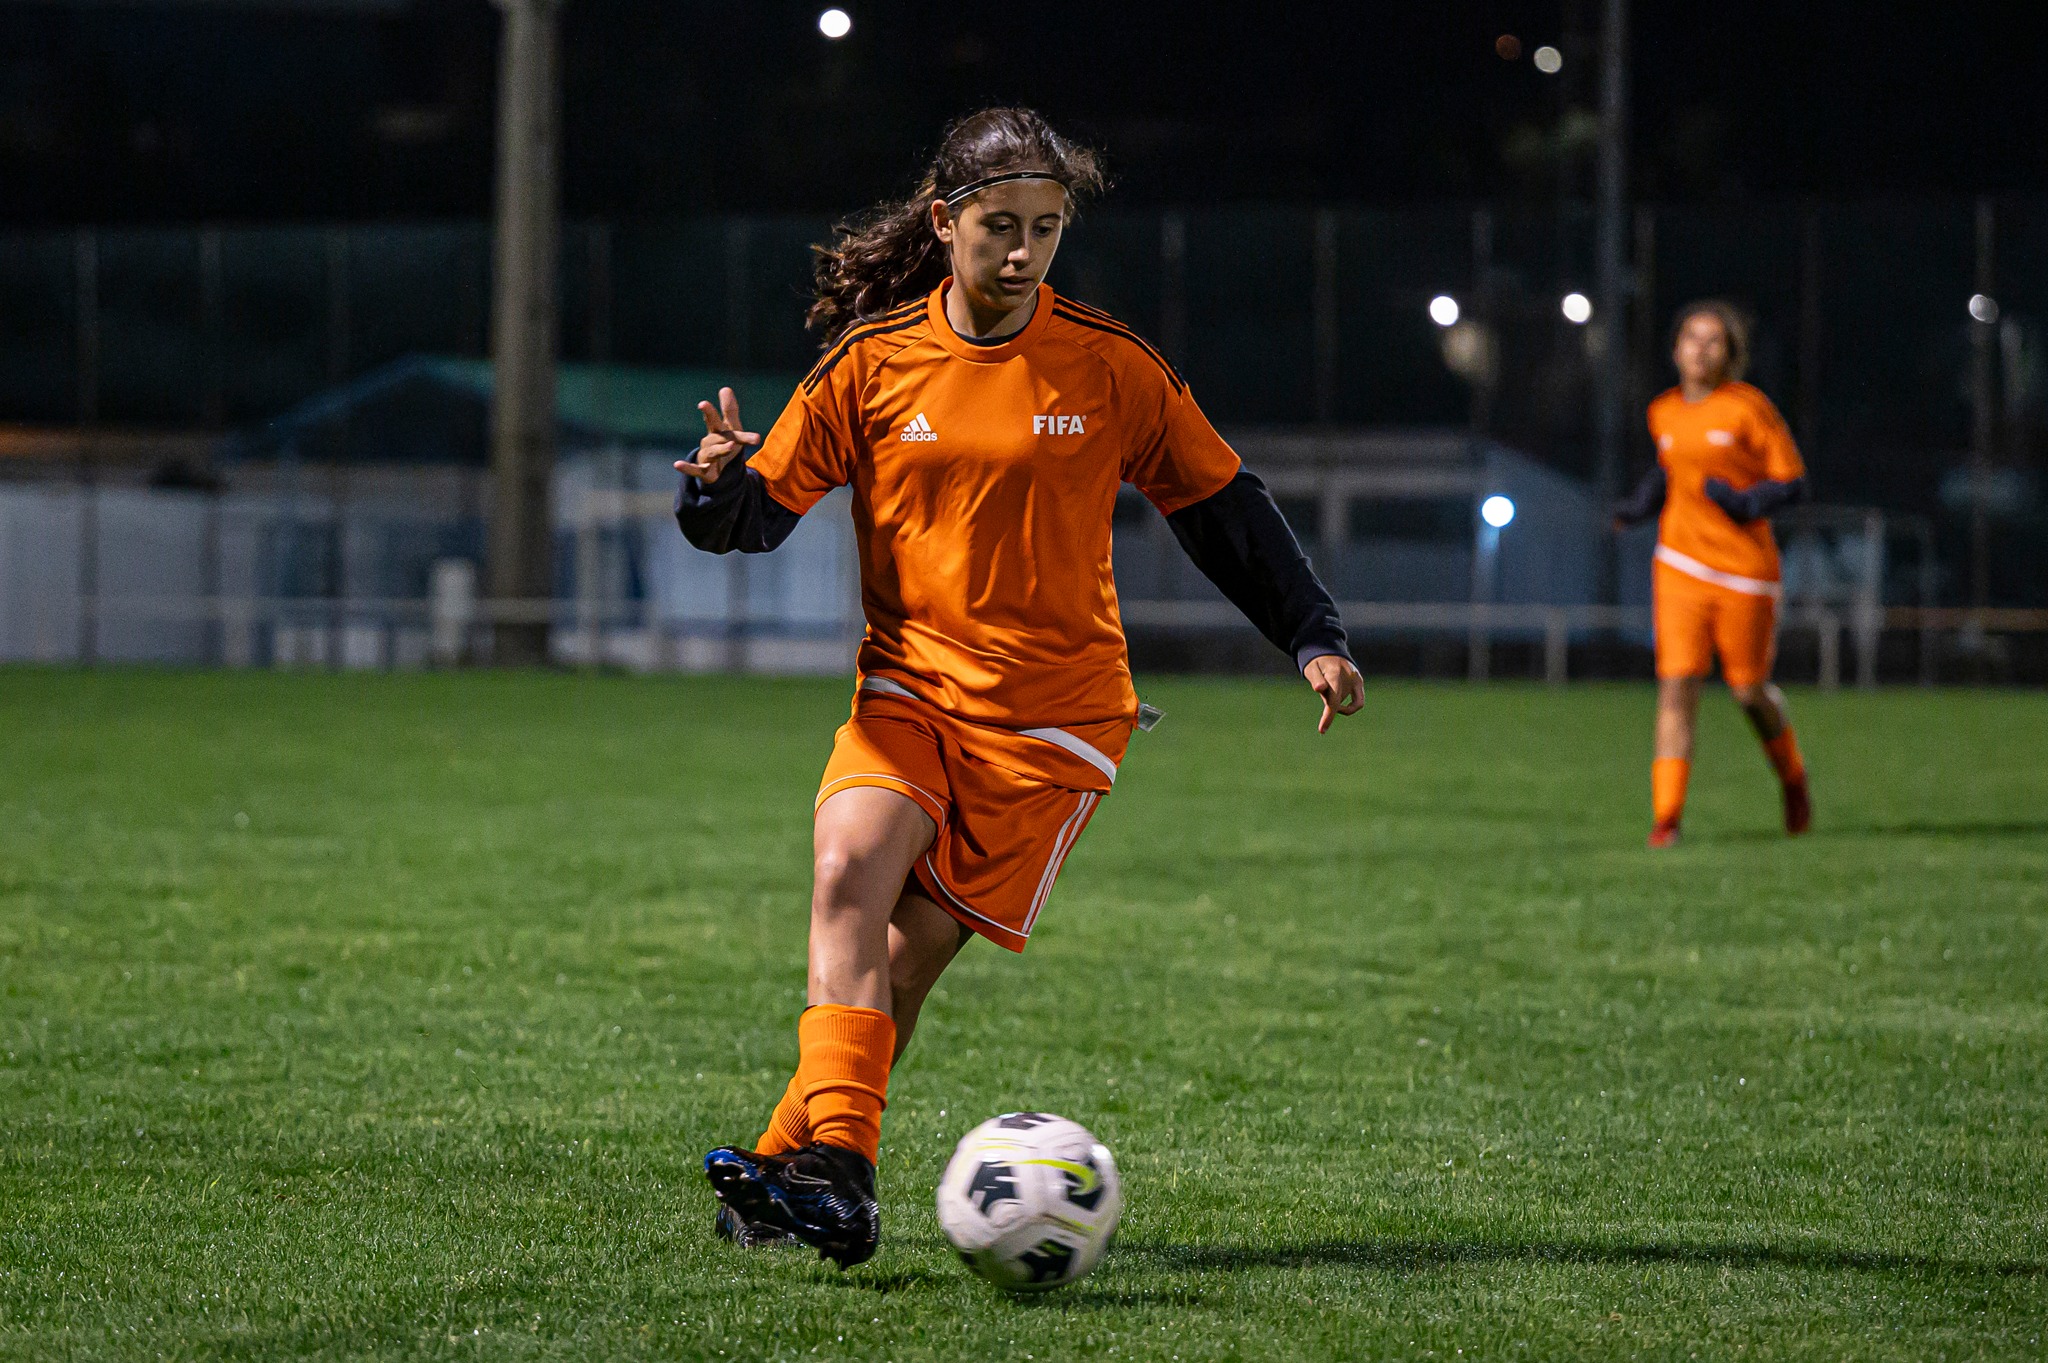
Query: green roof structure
[(435, 409)]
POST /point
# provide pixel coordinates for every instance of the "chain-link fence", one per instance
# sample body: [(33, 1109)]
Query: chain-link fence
[(1904, 342)]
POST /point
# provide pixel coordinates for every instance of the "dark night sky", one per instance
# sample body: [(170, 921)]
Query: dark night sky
[(157, 111)]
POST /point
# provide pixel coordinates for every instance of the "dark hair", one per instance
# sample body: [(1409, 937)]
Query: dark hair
[(890, 255), (1733, 323)]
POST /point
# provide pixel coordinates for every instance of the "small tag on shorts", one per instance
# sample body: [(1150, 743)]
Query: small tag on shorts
[(1149, 717)]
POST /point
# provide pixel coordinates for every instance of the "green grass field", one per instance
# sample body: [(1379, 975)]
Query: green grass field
[(390, 1016)]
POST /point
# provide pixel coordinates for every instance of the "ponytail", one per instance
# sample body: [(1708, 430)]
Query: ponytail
[(891, 255)]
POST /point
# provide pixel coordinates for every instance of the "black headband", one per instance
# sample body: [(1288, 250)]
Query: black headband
[(973, 187)]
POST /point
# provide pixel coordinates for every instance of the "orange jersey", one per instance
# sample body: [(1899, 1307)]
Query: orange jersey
[(1734, 434), (983, 478)]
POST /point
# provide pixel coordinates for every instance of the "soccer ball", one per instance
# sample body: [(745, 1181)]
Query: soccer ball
[(1030, 1201)]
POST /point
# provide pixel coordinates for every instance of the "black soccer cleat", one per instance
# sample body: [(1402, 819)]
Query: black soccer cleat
[(822, 1194), (730, 1227)]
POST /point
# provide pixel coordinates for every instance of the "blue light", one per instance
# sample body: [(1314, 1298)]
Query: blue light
[(1496, 511)]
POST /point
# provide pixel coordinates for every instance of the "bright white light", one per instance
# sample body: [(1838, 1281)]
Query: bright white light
[(1548, 60), (1983, 307), (1443, 310), (835, 23), (1496, 511), (1578, 309)]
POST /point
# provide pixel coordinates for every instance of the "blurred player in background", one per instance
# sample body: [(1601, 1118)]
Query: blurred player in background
[(1725, 462), (985, 425)]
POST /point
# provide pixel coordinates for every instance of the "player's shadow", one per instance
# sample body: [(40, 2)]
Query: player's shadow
[(1084, 1297), (1400, 1256), (1908, 828), (1929, 828)]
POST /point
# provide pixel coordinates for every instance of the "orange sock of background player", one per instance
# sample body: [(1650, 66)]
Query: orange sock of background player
[(1668, 776), (790, 1128), (1785, 757), (844, 1074)]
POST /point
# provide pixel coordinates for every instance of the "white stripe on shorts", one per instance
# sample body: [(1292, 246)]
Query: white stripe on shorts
[(1070, 832)]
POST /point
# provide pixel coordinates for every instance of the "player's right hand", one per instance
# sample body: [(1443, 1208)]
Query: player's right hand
[(723, 438)]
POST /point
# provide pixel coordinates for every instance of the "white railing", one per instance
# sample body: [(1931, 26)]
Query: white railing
[(449, 629)]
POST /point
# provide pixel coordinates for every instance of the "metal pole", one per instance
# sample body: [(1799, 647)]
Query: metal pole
[(1556, 647), (1479, 633), (89, 565), (1869, 622), (86, 265), (1480, 412), (1611, 308), (1636, 356), (738, 249), (339, 451), (212, 304), (1173, 294), (1923, 532), (600, 283), (1828, 629), (523, 323), (1323, 307), (86, 281), (1809, 332), (1983, 416)]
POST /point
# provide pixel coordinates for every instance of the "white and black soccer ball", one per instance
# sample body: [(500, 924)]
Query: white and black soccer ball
[(1030, 1201)]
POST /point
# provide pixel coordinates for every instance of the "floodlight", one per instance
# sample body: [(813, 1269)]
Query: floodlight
[(1443, 310), (1983, 307), (1578, 309), (1548, 60), (835, 24), (1497, 511)]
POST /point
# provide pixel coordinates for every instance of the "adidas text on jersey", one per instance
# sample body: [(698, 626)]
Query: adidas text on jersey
[(918, 429)]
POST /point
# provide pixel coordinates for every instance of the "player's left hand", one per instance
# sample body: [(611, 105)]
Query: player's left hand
[(1338, 683)]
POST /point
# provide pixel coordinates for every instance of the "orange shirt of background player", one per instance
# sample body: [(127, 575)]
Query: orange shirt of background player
[(984, 478), (1735, 434)]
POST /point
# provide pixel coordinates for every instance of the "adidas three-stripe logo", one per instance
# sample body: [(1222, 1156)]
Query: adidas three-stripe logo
[(918, 429)]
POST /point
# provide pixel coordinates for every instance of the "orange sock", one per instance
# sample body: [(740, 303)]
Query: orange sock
[(1668, 776), (1785, 757), (790, 1127), (844, 1074)]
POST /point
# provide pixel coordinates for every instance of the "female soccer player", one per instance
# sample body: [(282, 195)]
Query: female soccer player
[(985, 424), (1725, 462)]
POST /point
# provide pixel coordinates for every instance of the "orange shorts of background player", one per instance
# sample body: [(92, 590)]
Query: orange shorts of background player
[(1697, 621), (1009, 803)]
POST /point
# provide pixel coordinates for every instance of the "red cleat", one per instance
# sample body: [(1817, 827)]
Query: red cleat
[(1798, 808), (1665, 834)]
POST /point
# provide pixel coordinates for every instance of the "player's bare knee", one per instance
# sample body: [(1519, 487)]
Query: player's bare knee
[(1677, 693), (845, 866)]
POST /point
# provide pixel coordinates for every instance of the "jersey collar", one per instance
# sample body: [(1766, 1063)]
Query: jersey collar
[(942, 329)]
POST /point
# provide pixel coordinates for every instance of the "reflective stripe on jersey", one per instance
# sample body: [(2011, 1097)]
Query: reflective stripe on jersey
[(1692, 567), (888, 688)]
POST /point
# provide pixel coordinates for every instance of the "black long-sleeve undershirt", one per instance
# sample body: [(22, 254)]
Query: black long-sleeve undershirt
[(1754, 502), (1646, 500), (1757, 500), (1241, 542), (735, 512), (1236, 536)]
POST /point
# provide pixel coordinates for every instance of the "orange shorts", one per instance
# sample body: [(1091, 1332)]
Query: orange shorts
[(1009, 804), (1697, 620)]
